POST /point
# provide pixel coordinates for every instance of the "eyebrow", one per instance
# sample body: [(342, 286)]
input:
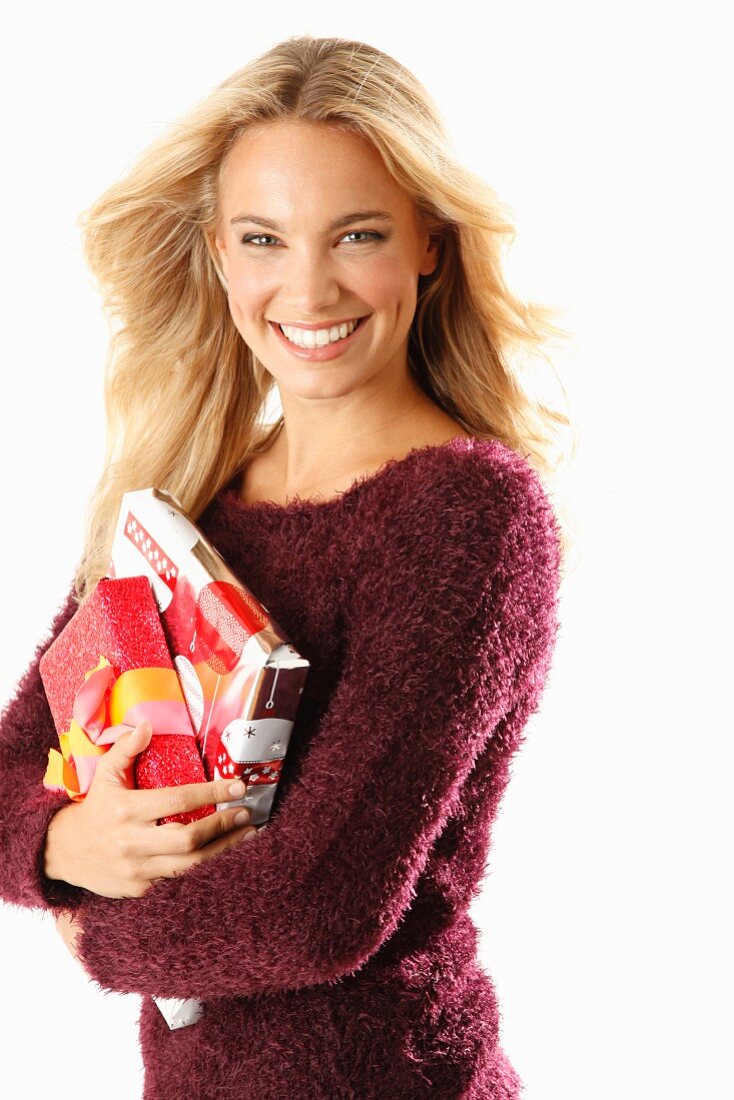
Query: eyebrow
[(339, 223)]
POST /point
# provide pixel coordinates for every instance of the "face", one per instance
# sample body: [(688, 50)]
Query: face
[(315, 235)]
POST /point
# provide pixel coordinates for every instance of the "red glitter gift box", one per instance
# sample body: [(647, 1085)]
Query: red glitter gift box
[(108, 670)]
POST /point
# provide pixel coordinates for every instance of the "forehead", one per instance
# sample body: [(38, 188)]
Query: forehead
[(291, 162)]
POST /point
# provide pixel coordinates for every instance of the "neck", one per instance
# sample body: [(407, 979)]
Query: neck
[(311, 451)]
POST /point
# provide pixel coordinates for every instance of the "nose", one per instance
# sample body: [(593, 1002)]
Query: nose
[(311, 286)]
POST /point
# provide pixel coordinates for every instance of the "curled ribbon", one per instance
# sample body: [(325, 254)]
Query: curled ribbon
[(106, 706)]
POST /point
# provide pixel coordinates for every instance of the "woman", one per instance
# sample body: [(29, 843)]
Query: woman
[(307, 227)]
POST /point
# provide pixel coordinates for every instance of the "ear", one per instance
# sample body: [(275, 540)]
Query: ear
[(218, 252), (431, 254)]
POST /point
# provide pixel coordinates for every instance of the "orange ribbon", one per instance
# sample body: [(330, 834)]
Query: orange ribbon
[(106, 706)]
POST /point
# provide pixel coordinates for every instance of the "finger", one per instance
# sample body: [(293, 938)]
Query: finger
[(155, 803), (118, 762), (174, 838), (170, 866)]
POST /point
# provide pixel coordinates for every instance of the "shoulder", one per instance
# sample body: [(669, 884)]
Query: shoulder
[(454, 515), (476, 492), (482, 474), (463, 554), (506, 496)]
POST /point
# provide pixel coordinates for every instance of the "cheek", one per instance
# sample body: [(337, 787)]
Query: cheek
[(388, 285), (248, 296)]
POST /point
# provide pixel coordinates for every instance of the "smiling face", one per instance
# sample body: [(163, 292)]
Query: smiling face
[(315, 233)]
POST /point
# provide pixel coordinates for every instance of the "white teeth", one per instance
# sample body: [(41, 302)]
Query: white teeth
[(318, 338)]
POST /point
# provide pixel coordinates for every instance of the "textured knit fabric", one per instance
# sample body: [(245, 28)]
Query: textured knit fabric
[(334, 953)]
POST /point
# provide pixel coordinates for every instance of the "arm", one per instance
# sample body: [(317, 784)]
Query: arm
[(445, 641), (27, 732)]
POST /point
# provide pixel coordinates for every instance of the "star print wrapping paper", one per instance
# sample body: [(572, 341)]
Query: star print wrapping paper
[(108, 670)]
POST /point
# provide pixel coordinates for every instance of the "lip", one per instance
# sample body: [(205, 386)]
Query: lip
[(330, 351), (320, 324)]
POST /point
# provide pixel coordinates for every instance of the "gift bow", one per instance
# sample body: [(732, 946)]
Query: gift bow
[(106, 706)]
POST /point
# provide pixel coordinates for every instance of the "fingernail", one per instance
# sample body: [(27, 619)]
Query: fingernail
[(237, 789), (251, 835), (242, 817)]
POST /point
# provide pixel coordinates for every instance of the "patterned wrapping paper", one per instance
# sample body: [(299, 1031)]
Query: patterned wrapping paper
[(108, 670), (241, 677)]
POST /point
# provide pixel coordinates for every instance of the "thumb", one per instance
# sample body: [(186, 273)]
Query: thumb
[(119, 760)]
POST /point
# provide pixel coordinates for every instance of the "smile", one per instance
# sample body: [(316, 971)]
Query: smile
[(319, 337), (319, 344)]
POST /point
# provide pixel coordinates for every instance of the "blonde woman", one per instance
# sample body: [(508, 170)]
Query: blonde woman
[(307, 228)]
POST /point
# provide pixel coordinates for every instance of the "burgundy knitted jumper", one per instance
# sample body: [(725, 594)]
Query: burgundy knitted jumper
[(334, 953)]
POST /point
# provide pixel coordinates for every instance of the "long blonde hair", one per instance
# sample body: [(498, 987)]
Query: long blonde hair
[(184, 394)]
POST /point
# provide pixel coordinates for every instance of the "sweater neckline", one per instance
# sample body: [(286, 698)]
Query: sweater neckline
[(308, 505)]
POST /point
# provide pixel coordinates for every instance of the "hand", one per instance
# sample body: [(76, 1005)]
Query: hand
[(110, 843)]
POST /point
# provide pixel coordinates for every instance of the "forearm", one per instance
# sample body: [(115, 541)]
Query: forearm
[(203, 934), (26, 878)]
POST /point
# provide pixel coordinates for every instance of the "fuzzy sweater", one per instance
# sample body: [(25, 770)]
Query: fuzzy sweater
[(334, 953)]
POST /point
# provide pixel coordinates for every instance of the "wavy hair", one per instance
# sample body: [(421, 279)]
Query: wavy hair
[(184, 395)]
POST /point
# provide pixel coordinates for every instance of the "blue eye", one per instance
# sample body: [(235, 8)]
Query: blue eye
[(369, 234), (252, 237)]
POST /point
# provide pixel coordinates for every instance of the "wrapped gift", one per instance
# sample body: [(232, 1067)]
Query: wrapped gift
[(241, 677), (108, 670)]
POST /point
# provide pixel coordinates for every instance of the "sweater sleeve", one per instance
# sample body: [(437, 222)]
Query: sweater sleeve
[(453, 625), (27, 732)]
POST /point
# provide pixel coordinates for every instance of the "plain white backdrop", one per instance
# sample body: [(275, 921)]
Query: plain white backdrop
[(603, 916)]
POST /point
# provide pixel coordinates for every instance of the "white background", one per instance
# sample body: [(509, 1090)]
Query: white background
[(603, 915)]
